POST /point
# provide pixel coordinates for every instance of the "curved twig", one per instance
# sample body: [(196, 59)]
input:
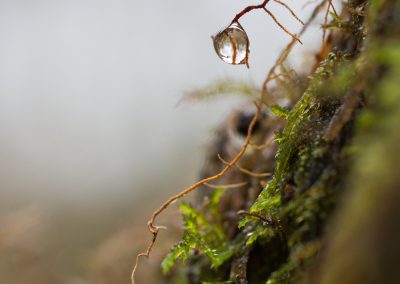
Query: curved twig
[(290, 10), (250, 173), (248, 9), (150, 224), (155, 229), (285, 53), (330, 5), (265, 145), (333, 7), (281, 26), (254, 215)]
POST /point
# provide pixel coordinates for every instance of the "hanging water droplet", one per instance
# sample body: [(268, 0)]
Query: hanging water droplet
[(232, 44)]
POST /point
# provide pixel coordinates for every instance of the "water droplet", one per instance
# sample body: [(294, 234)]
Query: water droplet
[(232, 44)]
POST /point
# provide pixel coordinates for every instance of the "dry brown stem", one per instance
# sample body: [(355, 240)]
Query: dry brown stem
[(228, 165), (333, 7), (285, 53), (248, 9), (263, 6), (243, 170), (290, 10), (254, 215), (324, 25), (330, 5), (280, 25), (265, 145), (155, 229), (308, 3)]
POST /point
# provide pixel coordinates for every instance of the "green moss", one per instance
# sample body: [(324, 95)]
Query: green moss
[(283, 238), (202, 233), (366, 224), (298, 129)]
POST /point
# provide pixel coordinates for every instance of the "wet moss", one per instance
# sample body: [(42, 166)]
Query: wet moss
[(354, 91)]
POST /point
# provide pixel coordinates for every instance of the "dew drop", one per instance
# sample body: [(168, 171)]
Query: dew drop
[(232, 44)]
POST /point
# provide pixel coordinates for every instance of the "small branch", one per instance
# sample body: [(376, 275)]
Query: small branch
[(265, 145), (155, 229), (146, 254), (280, 25), (285, 53), (325, 24), (248, 9), (330, 5), (270, 221), (150, 224), (254, 215), (262, 6), (290, 10), (250, 173), (276, 76), (333, 7)]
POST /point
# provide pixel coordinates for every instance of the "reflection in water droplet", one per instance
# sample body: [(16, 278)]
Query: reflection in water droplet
[(232, 44)]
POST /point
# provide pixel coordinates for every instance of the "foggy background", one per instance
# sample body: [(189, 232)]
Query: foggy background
[(90, 129)]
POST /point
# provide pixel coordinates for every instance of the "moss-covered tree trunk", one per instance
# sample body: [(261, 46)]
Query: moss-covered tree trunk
[(329, 214)]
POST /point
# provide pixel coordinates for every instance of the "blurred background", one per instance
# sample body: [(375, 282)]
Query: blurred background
[(92, 138)]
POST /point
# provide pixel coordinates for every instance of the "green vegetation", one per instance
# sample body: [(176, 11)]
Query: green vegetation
[(339, 140), (203, 234)]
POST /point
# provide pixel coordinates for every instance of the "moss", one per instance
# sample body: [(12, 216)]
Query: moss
[(368, 219), (355, 87)]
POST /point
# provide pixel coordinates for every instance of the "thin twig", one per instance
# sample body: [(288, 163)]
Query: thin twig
[(333, 7), (262, 6), (150, 224), (281, 26), (285, 53), (248, 9), (325, 24), (155, 229), (250, 173), (290, 10), (265, 145), (330, 5), (276, 76), (255, 215)]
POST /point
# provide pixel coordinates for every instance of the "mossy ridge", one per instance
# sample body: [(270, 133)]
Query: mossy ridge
[(292, 136), (304, 212), (303, 191), (378, 70), (301, 138)]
